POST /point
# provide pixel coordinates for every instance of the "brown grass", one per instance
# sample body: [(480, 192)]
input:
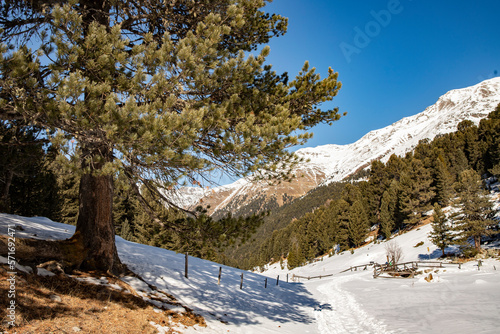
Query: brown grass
[(85, 306)]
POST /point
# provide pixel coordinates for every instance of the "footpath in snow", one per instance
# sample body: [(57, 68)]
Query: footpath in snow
[(453, 301)]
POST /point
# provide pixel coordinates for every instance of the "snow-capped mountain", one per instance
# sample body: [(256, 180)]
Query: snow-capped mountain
[(328, 163), (471, 103)]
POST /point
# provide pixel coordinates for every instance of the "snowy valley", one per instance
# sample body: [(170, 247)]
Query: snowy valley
[(329, 163), (439, 300)]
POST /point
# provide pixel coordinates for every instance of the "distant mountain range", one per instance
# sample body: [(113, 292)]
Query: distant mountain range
[(329, 163)]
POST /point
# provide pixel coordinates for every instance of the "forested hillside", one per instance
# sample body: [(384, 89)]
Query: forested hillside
[(393, 196), (397, 195)]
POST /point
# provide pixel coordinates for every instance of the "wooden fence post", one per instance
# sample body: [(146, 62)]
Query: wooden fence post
[(278, 280), (186, 266), (220, 275), (265, 283), (241, 283), (287, 278)]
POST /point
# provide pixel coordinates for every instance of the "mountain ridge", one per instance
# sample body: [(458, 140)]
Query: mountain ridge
[(331, 163)]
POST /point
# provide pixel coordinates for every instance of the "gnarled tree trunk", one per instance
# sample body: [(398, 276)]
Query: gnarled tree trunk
[(95, 232)]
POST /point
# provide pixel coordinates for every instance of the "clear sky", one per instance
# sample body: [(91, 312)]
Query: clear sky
[(394, 58)]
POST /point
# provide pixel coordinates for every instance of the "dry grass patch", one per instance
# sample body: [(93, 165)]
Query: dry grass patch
[(63, 304)]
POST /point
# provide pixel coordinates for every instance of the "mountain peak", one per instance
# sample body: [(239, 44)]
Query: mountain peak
[(330, 163)]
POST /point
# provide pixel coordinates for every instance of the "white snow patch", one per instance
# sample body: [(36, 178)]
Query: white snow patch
[(455, 301)]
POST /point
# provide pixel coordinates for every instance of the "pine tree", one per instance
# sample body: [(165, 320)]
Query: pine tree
[(23, 159), (474, 217), (377, 184), (126, 231), (442, 181), (161, 91), (388, 209), (351, 194), (442, 233), (343, 221), (296, 256), (358, 224), (416, 191), (489, 129), (68, 184)]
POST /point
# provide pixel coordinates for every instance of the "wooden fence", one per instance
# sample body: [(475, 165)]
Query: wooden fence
[(405, 269), (400, 270)]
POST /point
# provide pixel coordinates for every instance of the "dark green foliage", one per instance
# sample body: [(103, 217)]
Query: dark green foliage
[(377, 185), (68, 188), (27, 182), (357, 223), (442, 180), (259, 249), (35, 194), (388, 209), (442, 232), (416, 192), (396, 196), (474, 217), (163, 92), (488, 134)]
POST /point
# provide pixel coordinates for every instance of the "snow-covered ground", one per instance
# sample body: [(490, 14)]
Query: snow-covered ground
[(454, 301)]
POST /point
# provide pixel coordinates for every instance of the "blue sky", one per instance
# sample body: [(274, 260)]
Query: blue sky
[(394, 58)]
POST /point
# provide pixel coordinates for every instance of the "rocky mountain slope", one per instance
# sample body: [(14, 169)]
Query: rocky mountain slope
[(328, 163)]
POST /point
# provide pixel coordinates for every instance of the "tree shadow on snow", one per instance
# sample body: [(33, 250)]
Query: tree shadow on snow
[(251, 305), (436, 254)]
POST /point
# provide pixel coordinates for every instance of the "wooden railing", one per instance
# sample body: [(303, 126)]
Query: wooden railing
[(399, 270), (403, 270)]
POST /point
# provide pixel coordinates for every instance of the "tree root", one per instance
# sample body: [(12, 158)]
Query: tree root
[(69, 253)]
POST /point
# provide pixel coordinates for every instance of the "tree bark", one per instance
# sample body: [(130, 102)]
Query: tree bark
[(477, 243), (95, 232)]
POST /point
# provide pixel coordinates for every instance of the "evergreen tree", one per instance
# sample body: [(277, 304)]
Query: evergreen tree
[(36, 193), (467, 135), (68, 184), (23, 158), (377, 184), (489, 129), (442, 181), (162, 91), (474, 217), (442, 233), (388, 210), (343, 222), (416, 191), (351, 194), (358, 226), (126, 231), (293, 259), (424, 152)]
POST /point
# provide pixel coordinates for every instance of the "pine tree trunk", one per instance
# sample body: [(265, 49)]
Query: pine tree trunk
[(95, 232), (477, 243)]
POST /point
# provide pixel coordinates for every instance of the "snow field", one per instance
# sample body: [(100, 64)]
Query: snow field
[(453, 301)]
